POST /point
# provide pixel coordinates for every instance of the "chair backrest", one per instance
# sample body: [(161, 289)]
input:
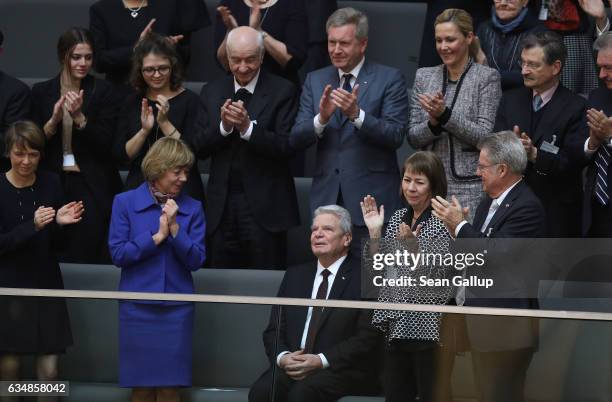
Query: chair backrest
[(223, 334)]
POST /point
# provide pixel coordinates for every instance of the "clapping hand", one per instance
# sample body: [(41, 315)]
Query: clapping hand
[(434, 105), (228, 19), (346, 101), (327, 107), (70, 213), (147, 30), (170, 209), (58, 111), (174, 39), (600, 127), (255, 17), (234, 114), (373, 217), (163, 107), (42, 217), (450, 213), (530, 149), (147, 119), (406, 233)]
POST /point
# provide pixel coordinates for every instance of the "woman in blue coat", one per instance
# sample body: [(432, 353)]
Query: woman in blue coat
[(157, 239)]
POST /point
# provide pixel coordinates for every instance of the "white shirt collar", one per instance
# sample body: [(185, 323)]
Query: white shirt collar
[(333, 268), (250, 86), (503, 195), (354, 72)]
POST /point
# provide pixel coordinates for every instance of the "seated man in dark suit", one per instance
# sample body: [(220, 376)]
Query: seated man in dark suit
[(246, 122), (548, 118), (596, 150), (321, 354), (501, 346), (14, 104)]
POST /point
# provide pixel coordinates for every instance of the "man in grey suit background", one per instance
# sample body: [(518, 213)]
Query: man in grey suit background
[(357, 114)]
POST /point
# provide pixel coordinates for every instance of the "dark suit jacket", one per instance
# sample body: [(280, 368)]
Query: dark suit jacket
[(555, 178), (345, 336), (520, 216), (14, 105), (91, 146), (356, 162), (266, 177), (600, 99)]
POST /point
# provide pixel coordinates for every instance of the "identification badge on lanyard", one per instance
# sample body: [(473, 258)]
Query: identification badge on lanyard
[(550, 146)]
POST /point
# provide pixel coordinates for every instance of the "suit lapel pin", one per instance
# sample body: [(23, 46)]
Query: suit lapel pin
[(343, 278)]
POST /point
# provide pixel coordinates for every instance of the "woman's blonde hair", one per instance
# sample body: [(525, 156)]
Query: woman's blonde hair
[(464, 22), (166, 154)]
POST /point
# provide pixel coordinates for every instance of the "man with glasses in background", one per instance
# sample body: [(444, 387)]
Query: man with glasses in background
[(547, 117)]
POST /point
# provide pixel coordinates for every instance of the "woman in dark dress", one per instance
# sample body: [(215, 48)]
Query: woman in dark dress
[(77, 113), (117, 25), (160, 108), (284, 27), (30, 212), (155, 338)]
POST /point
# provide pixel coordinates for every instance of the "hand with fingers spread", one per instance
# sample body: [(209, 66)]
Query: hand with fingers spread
[(327, 107), (228, 19), (346, 101), (530, 149), (450, 213), (163, 107), (373, 217), (43, 216), (70, 213), (303, 365), (147, 119), (147, 30)]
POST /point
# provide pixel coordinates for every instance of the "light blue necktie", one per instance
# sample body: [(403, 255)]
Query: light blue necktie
[(537, 103)]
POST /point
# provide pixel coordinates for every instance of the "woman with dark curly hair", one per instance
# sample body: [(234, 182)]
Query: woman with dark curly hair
[(160, 108)]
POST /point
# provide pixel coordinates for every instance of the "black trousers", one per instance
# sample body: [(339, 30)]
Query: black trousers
[(322, 386), (240, 242), (409, 370), (87, 241), (500, 376)]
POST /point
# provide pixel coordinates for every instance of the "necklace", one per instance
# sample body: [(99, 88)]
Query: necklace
[(134, 11)]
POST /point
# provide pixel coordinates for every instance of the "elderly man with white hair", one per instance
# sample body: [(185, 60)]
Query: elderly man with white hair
[(502, 347), (246, 122)]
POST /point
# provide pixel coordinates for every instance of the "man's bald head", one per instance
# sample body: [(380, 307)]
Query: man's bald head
[(245, 52), (244, 39)]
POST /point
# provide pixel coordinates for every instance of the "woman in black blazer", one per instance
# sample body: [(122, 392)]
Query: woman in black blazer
[(161, 107), (76, 112)]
